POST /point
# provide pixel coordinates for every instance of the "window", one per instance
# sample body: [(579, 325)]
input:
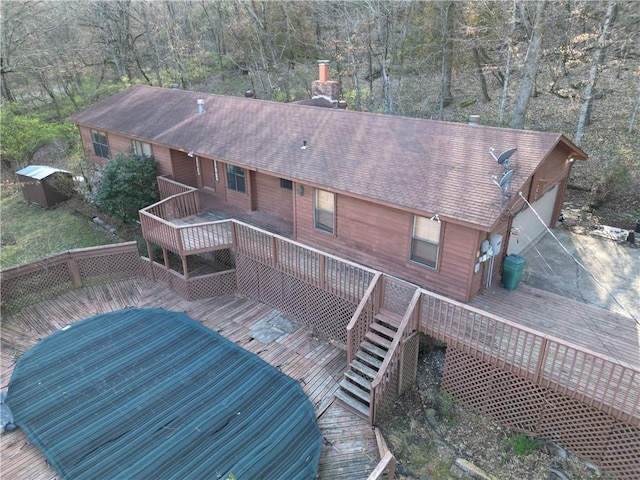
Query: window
[(141, 149), (286, 184), (325, 211), (425, 241), (100, 144), (235, 178)]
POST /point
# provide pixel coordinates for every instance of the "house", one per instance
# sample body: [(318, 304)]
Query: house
[(437, 203)]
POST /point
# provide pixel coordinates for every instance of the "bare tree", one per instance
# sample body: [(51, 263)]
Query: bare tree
[(531, 68), (507, 74), (598, 57), (446, 19), (634, 115)]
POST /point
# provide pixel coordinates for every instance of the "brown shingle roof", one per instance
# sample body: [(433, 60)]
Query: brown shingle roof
[(425, 165)]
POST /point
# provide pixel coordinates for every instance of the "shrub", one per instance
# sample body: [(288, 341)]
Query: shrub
[(128, 184)]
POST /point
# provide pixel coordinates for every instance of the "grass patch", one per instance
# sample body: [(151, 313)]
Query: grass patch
[(523, 445), (30, 233)]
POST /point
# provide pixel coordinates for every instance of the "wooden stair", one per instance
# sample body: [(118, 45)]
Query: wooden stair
[(355, 388)]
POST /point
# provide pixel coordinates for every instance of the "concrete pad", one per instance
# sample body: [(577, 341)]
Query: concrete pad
[(270, 329), (611, 279)]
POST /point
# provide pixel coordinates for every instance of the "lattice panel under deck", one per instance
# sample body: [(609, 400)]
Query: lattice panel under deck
[(247, 277), (505, 401), (35, 286), (622, 453), (466, 378), (270, 284), (110, 266), (585, 429), (329, 314), (539, 411), (409, 363), (212, 285), (294, 299)]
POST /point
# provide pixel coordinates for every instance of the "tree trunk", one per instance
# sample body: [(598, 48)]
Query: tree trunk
[(7, 94), (507, 71), (531, 69), (634, 115), (598, 58), (446, 15), (483, 81)]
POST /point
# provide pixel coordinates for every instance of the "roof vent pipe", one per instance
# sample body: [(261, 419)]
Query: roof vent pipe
[(474, 119), (200, 106)]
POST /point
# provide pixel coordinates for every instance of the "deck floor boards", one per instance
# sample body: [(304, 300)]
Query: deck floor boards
[(350, 450)]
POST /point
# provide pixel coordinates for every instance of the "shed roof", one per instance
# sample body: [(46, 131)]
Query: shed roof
[(416, 164), (147, 393), (39, 172)]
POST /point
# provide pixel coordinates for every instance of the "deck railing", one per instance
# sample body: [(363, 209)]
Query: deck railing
[(387, 464), (605, 383), (159, 227), (27, 284), (168, 187), (385, 386), (362, 318)]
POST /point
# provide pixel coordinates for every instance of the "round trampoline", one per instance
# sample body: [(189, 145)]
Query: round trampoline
[(148, 393)]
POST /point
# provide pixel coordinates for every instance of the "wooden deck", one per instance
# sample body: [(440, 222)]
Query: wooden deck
[(587, 326), (215, 209), (350, 450)]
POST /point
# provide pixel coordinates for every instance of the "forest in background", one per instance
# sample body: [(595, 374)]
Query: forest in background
[(570, 66)]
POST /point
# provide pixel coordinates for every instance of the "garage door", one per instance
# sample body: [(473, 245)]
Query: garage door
[(527, 228)]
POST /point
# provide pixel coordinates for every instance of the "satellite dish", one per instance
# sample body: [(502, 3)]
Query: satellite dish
[(503, 184), (506, 178), (504, 156)]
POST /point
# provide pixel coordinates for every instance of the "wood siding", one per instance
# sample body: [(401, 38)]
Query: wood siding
[(553, 170), (207, 173), (241, 200), (183, 168), (380, 237), (122, 144), (271, 198)]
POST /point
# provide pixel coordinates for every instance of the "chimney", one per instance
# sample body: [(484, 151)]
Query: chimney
[(323, 87), (474, 119), (323, 66), (200, 106)]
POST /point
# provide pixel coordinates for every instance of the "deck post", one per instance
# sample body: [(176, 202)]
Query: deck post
[(74, 271), (153, 270), (542, 357), (274, 250), (321, 270), (185, 268), (166, 258)]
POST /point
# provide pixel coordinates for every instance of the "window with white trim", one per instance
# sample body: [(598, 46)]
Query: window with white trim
[(236, 179), (425, 241), (100, 144), (141, 149), (325, 208)]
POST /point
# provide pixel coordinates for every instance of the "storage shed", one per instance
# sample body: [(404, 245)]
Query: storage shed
[(44, 185)]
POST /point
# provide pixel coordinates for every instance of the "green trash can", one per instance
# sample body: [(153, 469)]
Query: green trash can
[(512, 269)]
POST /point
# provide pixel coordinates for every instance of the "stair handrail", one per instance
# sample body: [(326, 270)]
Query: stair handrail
[(407, 326), (356, 329), (387, 463)]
